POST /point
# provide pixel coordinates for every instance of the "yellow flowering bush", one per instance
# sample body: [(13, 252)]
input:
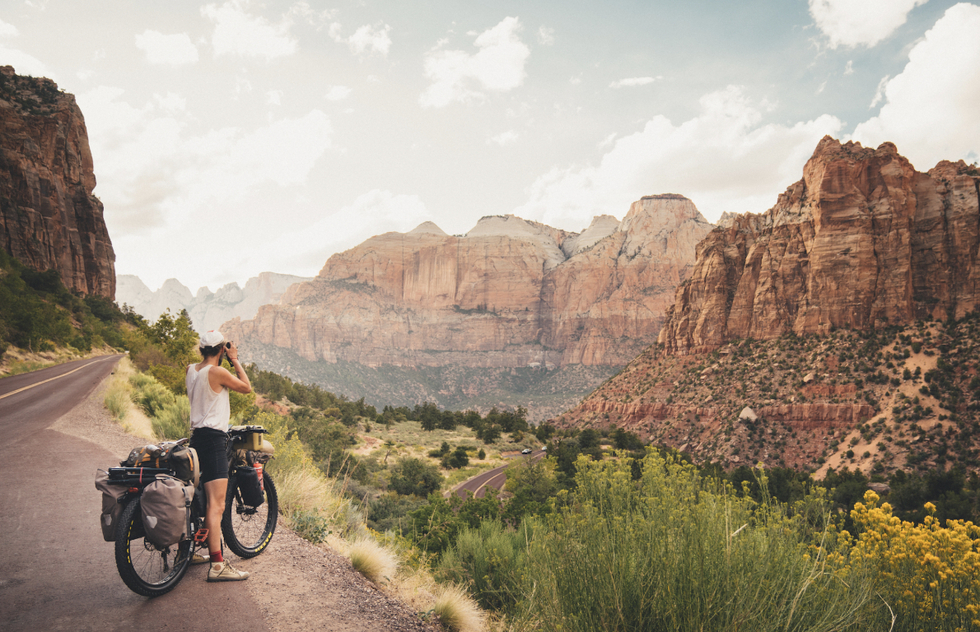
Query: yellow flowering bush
[(928, 574)]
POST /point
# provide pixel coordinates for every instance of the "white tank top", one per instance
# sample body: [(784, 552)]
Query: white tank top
[(208, 409)]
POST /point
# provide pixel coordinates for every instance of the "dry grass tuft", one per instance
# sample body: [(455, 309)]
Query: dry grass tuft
[(372, 560), (457, 611), (118, 401)]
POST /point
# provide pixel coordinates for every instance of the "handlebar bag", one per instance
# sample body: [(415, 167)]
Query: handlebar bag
[(111, 507), (250, 485), (166, 507)]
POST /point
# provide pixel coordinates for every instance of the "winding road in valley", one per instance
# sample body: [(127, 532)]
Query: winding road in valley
[(493, 478)]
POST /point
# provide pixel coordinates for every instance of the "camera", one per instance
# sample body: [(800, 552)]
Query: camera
[(228, 345)]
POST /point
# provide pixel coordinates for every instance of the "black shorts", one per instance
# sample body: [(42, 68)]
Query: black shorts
[(212, 452)]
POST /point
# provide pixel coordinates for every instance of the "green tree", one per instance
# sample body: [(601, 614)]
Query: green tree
[(412, 476)]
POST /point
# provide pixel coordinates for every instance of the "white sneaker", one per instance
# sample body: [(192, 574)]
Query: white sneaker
[(223, 572)]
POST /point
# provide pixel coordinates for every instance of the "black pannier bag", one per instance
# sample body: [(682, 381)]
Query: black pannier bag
[(250, 484), (111, 507)]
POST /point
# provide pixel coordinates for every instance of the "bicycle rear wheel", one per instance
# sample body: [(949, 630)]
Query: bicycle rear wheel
[(145, 568), (248, 530)]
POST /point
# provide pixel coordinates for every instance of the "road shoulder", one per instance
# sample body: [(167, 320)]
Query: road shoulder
[(298, 586)]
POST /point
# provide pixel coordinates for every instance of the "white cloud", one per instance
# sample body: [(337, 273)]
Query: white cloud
[(170, 102), (273, 97), (504, 138), (368, 40), (8, 30), (723, 159), (880, 92), (546, 36), (849, 68), (310, 247), (338, 93), (171, 50), (497, 66), (23, 63), (930, 109), (855, 23), (155, 171), (633, 81), (238, 32)]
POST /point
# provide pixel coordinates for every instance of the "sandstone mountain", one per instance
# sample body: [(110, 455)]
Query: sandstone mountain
[(845, 319), (862, 240), (510, 295), (49, 217), (207, 309)]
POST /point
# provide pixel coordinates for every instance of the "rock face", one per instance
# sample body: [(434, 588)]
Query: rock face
[(49, 217), (510, 293), (207, 309), (862, 240)]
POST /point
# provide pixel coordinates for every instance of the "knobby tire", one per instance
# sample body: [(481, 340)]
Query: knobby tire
[(145, 568), (248, 530)]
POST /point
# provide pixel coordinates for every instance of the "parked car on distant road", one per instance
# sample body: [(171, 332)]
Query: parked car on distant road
[(526, 451)]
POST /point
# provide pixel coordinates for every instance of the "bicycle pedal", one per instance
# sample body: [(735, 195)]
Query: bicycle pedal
[(201, 536)]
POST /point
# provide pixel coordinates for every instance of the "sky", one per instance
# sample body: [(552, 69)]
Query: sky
[(235, 137)]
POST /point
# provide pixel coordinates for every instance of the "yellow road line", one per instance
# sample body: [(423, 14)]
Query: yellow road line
[(20, 390)]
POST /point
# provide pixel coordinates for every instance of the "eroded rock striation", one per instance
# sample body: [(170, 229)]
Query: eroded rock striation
[(862, 240), (49, 217), (510, 293)]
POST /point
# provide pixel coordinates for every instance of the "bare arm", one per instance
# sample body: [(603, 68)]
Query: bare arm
[(238, 382)]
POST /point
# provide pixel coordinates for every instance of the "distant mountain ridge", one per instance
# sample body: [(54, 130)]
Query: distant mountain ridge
[(510, 294), (207, 309)]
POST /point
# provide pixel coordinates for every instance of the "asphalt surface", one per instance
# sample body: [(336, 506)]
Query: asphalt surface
[(56, 571), (493, 478)]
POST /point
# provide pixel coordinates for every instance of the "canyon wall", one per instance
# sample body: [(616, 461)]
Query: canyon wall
[(510, 293), (49, 217), (862, 240)]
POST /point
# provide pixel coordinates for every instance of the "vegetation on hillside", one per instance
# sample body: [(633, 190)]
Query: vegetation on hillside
[(892, 399)]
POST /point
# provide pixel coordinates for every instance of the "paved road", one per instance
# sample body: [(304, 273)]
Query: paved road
[(56, 572), (493, 478)]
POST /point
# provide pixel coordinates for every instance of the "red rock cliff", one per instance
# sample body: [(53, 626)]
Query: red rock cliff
[(862, 239), (510, 293), (48, 215)]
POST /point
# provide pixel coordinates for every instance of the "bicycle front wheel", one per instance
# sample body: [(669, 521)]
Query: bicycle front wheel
[(247, 529), (145, 568)]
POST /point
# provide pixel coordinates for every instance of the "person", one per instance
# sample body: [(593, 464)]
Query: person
[(208, 384)]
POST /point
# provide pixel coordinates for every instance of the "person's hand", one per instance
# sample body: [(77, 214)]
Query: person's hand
[(232, 352)]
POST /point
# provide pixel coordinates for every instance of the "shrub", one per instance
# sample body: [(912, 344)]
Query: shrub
[(173, 421), (153, 397), (489, 560), (928, 574), (678, 552)]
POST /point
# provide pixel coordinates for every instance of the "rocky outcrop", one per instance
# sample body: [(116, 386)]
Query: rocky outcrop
[(49, 217), (207, 309), (510, 293), (862, 240)]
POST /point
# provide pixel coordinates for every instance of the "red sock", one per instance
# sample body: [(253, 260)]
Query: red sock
[(216, 556)]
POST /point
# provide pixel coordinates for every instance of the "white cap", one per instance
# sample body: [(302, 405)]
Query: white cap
[(212, 338)]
